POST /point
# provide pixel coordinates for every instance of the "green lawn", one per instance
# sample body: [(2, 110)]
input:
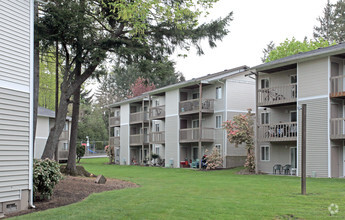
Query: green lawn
[(190, 194)]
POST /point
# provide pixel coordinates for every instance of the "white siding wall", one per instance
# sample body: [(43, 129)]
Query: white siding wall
[(172, 145), (15, 50), (124, 134)]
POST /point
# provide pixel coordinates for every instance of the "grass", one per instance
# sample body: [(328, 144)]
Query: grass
[(190, 194)]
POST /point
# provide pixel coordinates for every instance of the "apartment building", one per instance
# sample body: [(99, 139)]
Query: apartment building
[(45, 121), (16, 105), (166, 121), (314, 78)]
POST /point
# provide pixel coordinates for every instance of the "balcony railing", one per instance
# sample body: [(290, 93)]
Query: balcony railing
[(278, 132), (277, 95), (139, 117), (157, 112), (139, 139), (114, 141), (192, 106), (337, 86), (157, 137), (114, 121), (64, 135), (192, 135), (337, 128)]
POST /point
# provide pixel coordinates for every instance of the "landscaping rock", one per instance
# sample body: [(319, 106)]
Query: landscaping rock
[(100, 179)]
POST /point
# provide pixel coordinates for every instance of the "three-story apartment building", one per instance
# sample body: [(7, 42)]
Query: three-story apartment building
[(166, 121), (314, 78)]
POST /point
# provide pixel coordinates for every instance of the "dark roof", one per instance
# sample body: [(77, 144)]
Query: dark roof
[(218, 76), (293, 59), (44, 112)]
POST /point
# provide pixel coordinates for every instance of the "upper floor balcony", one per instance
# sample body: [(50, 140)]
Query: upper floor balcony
[(337, 86), (114, 121), (139, 117), (157, 137), (157, 112), (139, 139), (192, 106), (337, 128), (192, 135), (278, 132), (114, 141), (277, 95)]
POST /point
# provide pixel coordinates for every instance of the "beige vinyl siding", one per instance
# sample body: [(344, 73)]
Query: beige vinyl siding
[(172, 128), (14, 144), (278, 78), (15, 41), (240, 93), (232, 150), (313, 78), (317, 136)]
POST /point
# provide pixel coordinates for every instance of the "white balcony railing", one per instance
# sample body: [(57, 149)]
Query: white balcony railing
[(193, 106), (337, 86), (192, 134), (337, 128), (278, 132), (277, 95)]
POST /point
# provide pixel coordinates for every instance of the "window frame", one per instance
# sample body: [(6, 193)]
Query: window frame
[(64, 146), (266, 86), (193, 123), (219, 92), (265, 153), (219, 147), (290, 116), (263, 118), (220, 122)]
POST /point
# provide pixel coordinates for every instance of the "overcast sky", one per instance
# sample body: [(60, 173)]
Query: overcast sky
[(255, 24)]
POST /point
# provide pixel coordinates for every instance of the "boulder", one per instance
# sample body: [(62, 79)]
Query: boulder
[(100, 179)]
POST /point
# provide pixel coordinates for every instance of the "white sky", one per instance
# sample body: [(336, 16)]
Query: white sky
[(255, 24)]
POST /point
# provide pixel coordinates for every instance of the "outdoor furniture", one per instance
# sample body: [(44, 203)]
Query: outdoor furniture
[(287, 169), (184, 164), (277, 167), (195, 164)]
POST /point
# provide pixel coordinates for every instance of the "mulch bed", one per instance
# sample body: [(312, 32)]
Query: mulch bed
[(74, 189)]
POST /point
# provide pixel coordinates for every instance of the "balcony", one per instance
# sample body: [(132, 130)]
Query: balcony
[(337, 87), (192, 135), (157, 137), (192, 106), (114, 141), (139, 117), (278, 132), (64, 135), (337, 128), (157, 112), (139, 139), (114, 121), (278, 95)]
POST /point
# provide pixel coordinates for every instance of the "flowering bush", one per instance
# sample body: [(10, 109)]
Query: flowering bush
[(240, 131), (110, 153), (46, 174), (214, 160)]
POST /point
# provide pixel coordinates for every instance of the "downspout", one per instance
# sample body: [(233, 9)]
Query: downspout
[(31, 141), (225, 118)]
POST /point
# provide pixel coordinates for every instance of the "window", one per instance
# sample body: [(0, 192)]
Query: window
[(157, 102), (157, 150), (293, 116), (65, 128), (195, 123), (219, 147), (265, 83), (293, 79), (117, 113), (65, 146), (293, 157), (195, 95), (218, 92), (218, 121), (265, 153), (157, 127), (117, 132), (117, 152), (265, 118)]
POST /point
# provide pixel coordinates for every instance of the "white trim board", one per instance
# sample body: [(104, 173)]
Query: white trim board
[(312, 97), (14, 86)]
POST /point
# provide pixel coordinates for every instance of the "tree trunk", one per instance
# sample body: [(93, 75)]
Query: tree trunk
[(71, 168), (55, 132), (36, 77), (56, 91)]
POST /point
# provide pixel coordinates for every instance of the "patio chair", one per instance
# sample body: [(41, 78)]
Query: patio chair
[(277, 167), (287, 169), (195, 164)]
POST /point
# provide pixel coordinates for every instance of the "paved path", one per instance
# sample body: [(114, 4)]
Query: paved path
[(94, 156)]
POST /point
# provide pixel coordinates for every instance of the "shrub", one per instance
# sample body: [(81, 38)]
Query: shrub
[(214, 160), (46, 175), (110, 153), (80, 152)]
